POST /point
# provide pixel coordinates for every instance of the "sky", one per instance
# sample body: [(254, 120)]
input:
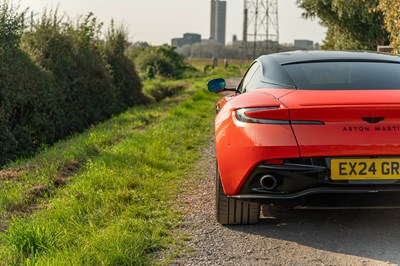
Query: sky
[(158, 21)]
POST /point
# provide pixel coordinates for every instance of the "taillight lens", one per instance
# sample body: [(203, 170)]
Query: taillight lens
[(265, 115)]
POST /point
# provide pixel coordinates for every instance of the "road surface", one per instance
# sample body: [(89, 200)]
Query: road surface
[(293, 237)]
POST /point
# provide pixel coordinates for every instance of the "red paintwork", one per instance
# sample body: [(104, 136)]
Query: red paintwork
[(256, 98), (345, 133), (241, 146)]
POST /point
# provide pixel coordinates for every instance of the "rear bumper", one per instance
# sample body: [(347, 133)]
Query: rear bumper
[(319, 191), (308, 185), (328, 198)]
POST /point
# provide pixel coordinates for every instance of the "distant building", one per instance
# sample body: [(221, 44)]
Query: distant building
[(304, 44), (252, 50), (188, 39), (218, 21), (207, 41)]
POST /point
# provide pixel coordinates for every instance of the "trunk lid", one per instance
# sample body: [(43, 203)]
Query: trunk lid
[(355, 123)]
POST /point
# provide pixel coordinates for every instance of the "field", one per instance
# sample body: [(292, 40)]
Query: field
[(106, 196)]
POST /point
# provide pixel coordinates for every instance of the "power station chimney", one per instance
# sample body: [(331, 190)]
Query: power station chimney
[(218, 21)]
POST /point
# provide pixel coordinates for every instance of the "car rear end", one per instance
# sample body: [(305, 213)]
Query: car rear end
[(345, 119)]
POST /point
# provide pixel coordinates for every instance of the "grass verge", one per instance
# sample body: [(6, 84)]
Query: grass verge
[(106, 197)]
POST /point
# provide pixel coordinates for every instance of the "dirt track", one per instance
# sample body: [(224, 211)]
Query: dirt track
[(296, 237)]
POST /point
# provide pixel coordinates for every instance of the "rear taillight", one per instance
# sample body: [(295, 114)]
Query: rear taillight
[(278, 115), (265, 115)]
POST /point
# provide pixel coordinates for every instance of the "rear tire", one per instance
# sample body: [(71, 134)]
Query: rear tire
[(232, 211)]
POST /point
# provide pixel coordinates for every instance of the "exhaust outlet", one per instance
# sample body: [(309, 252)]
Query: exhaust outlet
[(268, 182)]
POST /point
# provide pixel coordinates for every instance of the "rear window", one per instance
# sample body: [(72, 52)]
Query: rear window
[(345, 75)]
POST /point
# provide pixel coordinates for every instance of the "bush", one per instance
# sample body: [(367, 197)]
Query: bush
[(29, 115), (76, 63), (125, 78), (57, 78), (12, 24), (164, 60)]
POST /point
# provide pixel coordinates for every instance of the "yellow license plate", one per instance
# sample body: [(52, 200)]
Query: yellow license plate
[(365, 169)]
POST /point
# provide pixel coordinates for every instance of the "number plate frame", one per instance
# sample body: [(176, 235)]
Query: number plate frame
[(365, 169)]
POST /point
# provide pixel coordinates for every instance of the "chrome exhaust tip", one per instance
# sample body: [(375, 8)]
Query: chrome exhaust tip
[(268, 182)]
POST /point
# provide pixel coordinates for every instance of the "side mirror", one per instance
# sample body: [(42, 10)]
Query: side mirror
[(216, 85)]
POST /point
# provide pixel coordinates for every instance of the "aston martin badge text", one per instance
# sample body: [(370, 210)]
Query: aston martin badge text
[(376, 128)]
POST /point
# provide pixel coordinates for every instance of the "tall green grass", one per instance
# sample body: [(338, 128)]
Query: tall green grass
[(107, 196)]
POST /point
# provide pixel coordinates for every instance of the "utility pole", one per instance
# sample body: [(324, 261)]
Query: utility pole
[(260, 27)]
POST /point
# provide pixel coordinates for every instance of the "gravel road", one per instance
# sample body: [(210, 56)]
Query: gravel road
[(294, 237)]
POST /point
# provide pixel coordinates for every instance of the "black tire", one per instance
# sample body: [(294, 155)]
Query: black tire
[(232, 211)]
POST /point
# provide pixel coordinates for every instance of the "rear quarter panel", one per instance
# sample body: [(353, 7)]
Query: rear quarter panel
[(241, 146)]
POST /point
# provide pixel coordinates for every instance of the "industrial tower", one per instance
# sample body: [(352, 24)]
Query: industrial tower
[(260, 27), (218, 21)]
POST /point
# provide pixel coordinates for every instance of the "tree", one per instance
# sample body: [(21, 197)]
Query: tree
[(351, 24), (391, 13)]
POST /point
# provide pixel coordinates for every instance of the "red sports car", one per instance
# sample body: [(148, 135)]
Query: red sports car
[(308, 129)]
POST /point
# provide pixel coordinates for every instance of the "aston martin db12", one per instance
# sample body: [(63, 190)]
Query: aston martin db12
[(308, 129)]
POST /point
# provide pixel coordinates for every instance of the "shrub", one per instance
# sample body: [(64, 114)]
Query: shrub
[(165, 61), (12, 24), (29, 114), (74, 58), (57, 78), (125, 78)]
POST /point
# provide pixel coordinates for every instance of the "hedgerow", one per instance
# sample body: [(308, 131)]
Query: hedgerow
[(58, 77)]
